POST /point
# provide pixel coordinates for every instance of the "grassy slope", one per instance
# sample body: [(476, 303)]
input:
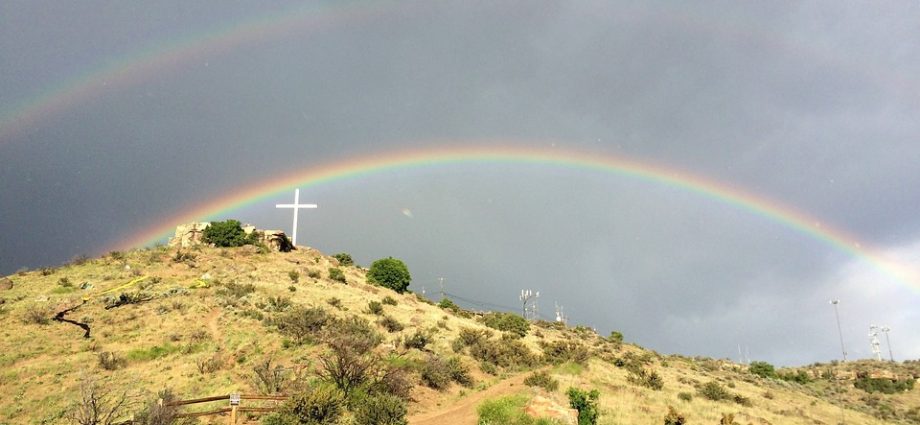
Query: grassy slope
[(164, 340)]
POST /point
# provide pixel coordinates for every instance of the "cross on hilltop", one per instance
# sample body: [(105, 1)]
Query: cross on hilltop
[(296, 206)]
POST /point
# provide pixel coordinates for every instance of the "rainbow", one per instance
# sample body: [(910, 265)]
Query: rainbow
[(365, 166)]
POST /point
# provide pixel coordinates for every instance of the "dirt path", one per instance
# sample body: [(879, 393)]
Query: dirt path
[(211, 320), (463, 411)]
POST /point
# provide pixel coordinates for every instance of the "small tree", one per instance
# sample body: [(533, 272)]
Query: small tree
[(390, 273), (227, 233), (616, 337), (585, 402), (99, 405), (344, 259), (762, 369)]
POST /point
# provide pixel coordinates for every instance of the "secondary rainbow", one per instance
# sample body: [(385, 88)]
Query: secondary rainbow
[(359, 167)]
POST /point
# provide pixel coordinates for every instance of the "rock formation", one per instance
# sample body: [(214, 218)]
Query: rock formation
[(190, 234)]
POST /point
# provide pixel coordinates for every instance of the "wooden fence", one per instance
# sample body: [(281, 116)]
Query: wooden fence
[(234, 407)]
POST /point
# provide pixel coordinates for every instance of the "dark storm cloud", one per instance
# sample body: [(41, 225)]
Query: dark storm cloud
[(811, 105)]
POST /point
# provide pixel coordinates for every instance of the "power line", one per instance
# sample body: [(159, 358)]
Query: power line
[(491, 306)]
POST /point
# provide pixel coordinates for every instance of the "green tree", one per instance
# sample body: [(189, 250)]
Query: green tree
[(227, 233), (344, 259), (616, 336), (762, 369), (390, 273), (585, 402)]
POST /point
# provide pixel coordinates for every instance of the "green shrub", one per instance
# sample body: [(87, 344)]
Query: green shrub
[(507, 322), (374, 307), (447, 304), (111, 361), (799, 377), (337, 275), (713, 391), (380, 409), (418, 340), (674, 417), (65, 282), (152, 353), (302, 324), (228, 233), (344, 259), (685, 396), (322, 405), (436, 373), (158, 411), (508, 411), (585, 402), (882, 385), (390, 273), (616, 337), (395, 380), (646, 378), (236, 290), (459, 372), (562, 351), (471, 336), (313, 273), (37, 314), (505, 352), (335, 302), (388, 300), (390, 324), (543, 380), (294, 275), (762, 369)]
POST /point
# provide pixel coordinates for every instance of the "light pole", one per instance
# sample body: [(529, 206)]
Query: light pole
[(839, 331), (888, 341)]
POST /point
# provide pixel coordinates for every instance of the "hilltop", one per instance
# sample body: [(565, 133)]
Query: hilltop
[(205, 321)]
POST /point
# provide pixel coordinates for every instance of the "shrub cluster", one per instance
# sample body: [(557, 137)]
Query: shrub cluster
[(111, 361), (504, 352), (228, 233), (562, 351), (507, 322), (388, 300), (674, 417), (543, 380), (344, 259), (418, 340), (646, 378), (882, 385), (374, 307), (303, 324), (337, 275), (585, 402)]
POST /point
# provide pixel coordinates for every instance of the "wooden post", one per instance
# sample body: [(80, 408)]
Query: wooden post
[(233, 415), (234, 403)]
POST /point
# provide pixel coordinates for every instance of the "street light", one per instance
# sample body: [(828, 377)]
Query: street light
[(839, 331)]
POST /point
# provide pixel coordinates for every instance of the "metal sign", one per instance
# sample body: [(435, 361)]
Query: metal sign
[(234, 399)]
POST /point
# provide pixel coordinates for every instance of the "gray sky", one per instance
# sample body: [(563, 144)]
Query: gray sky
[(812, 105)]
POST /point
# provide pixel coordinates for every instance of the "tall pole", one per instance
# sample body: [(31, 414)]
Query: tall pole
[(839, 330), (888, 341)]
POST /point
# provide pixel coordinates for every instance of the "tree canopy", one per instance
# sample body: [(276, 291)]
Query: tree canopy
[(390, 273)]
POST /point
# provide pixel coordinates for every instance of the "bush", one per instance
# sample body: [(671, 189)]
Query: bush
[(616, 337), (585, 402), (507, 411), (111, 361), (393, 380), (715, 392), (557, 352), (344, 259), (418, 340), (381, 409), (294, 275), (882, 385), (389, 273), (228, 233), (236, 290), (762, 369), (37, 315), (157, 410), (507, 322), (435, 373), (685, 396), (390, 324), (337, 275), (65, 282), (302, 324), (269, 378), (646, 378), (348, 364), (388, 300), (674, 418), (447, 304), (459, 372), (799, 377), (542, 380), (374, 307), (470, 336), (313, 274), (210, 364), (321, 405), (335, 302), (505, 352)]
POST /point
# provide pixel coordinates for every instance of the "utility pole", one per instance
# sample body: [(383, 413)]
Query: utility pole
[(441, 282), (839, 331), (888, 341)]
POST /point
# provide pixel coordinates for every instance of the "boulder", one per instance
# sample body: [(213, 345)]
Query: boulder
[(542, 407), (188, 234), (6, 284)]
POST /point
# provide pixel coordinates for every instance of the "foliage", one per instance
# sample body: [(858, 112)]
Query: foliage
[(585, 402), (381, 409), (882, 385), (348, 364), (388, 300), (646, 378), (374, 307), (390, 273), (714, 391), (507, 322), (294, 275), (447, 304), (269, 378), (435, 373), (674, 418), (210, 364), (302, 323), (543, 380), (65, 282), (37, 314), (418, 340), (507, 411), (459, 372), (236, 290), (322, 405), (337, 275), (390, 324), (111, 361), (344, 259), (152, 353), (616, 337), (227, 233), (562, 351), (335, 302), (505, 352), (685, 396), (394, 380), (799, 377), (762, 369)]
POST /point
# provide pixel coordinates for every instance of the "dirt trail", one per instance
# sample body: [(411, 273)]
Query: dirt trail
[(463, 412), (211, 320)]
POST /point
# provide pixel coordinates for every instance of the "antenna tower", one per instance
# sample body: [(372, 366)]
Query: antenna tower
[(874, 342)]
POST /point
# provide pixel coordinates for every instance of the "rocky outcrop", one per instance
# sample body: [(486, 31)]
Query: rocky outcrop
[(6, 284), (190, 234), (542, 407)]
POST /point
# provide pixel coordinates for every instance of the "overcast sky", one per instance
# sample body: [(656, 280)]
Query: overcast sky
[(115, 115)]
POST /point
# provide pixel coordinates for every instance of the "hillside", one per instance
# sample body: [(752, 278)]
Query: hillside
[(206, 321)]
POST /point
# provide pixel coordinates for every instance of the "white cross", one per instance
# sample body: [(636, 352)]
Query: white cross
[(296, 206)]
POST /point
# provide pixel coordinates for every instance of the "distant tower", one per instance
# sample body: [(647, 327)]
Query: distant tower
[(526, 296), (560, 314), (886, 329), (873, 340)]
